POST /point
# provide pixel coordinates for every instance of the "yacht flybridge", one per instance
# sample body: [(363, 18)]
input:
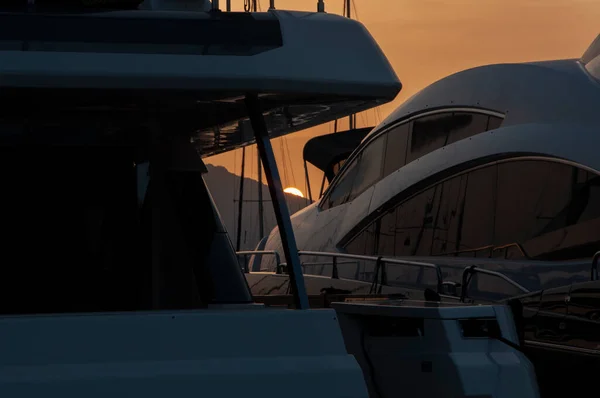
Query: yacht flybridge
[(118, 277)]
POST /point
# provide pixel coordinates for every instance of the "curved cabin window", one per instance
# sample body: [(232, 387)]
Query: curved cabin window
[(404, 143), (518, 209), (435, 131), (369, 167), (341, 190), (363, 171)]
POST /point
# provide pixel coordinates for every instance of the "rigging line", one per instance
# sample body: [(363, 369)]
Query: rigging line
[(362, 118), (287, 147), (285, 161), (378, 114), (355, 9), (235, 153), (285, 180), (306, 184), (252, 184)]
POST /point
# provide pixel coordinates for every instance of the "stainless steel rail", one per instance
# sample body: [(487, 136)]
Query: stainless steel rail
[(380, 260), (473, 269)]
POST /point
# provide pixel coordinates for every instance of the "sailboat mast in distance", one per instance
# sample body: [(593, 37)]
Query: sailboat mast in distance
[(261, 225), (240, 203), (348, 14)]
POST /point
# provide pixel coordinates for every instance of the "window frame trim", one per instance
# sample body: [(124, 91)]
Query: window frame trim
[(379, 213), (398, 122)]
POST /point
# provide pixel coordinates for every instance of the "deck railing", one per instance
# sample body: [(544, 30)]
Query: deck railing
[(473, 269), (380, 273)]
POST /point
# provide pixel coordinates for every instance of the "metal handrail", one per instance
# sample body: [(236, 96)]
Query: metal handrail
[(247, 253), (327, 263), (491, 248), (594, 274), (473, 269), (383, 260)]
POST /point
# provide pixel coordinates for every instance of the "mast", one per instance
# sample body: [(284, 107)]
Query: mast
[(240, 203), (348, 14), (261, 225)]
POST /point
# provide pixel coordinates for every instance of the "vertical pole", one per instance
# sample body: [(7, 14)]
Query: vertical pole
[(272, 5), (228, 5), (261, 225), (334, 269), (279, 205), (240, 203), (348, 7), (322, 185), (307, 182)]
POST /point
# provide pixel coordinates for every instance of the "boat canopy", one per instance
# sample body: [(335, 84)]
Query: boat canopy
[(325, 151)]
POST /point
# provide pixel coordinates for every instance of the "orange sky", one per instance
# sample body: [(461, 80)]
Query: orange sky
[(426, 40)]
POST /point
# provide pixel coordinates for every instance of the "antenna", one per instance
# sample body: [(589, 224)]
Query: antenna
[(321, 6)]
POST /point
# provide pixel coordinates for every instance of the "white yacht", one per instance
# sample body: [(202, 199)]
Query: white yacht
[(118, 277), (495, 167)]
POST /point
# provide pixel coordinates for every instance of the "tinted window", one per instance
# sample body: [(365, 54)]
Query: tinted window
[(447, 234), (477, 214), (549, 209), (467, 125), (387, 234), (414, 220), (369, 167), (435, 131), (395, 153), (403, 144), (541, 209), (363, 171), (494, 122), (428, 134), (364, 242), (341, 190)]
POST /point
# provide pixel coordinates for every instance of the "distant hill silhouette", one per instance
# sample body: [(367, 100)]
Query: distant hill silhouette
[(224, 187)]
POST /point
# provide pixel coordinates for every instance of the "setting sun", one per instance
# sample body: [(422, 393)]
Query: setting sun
[(294, 191)]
